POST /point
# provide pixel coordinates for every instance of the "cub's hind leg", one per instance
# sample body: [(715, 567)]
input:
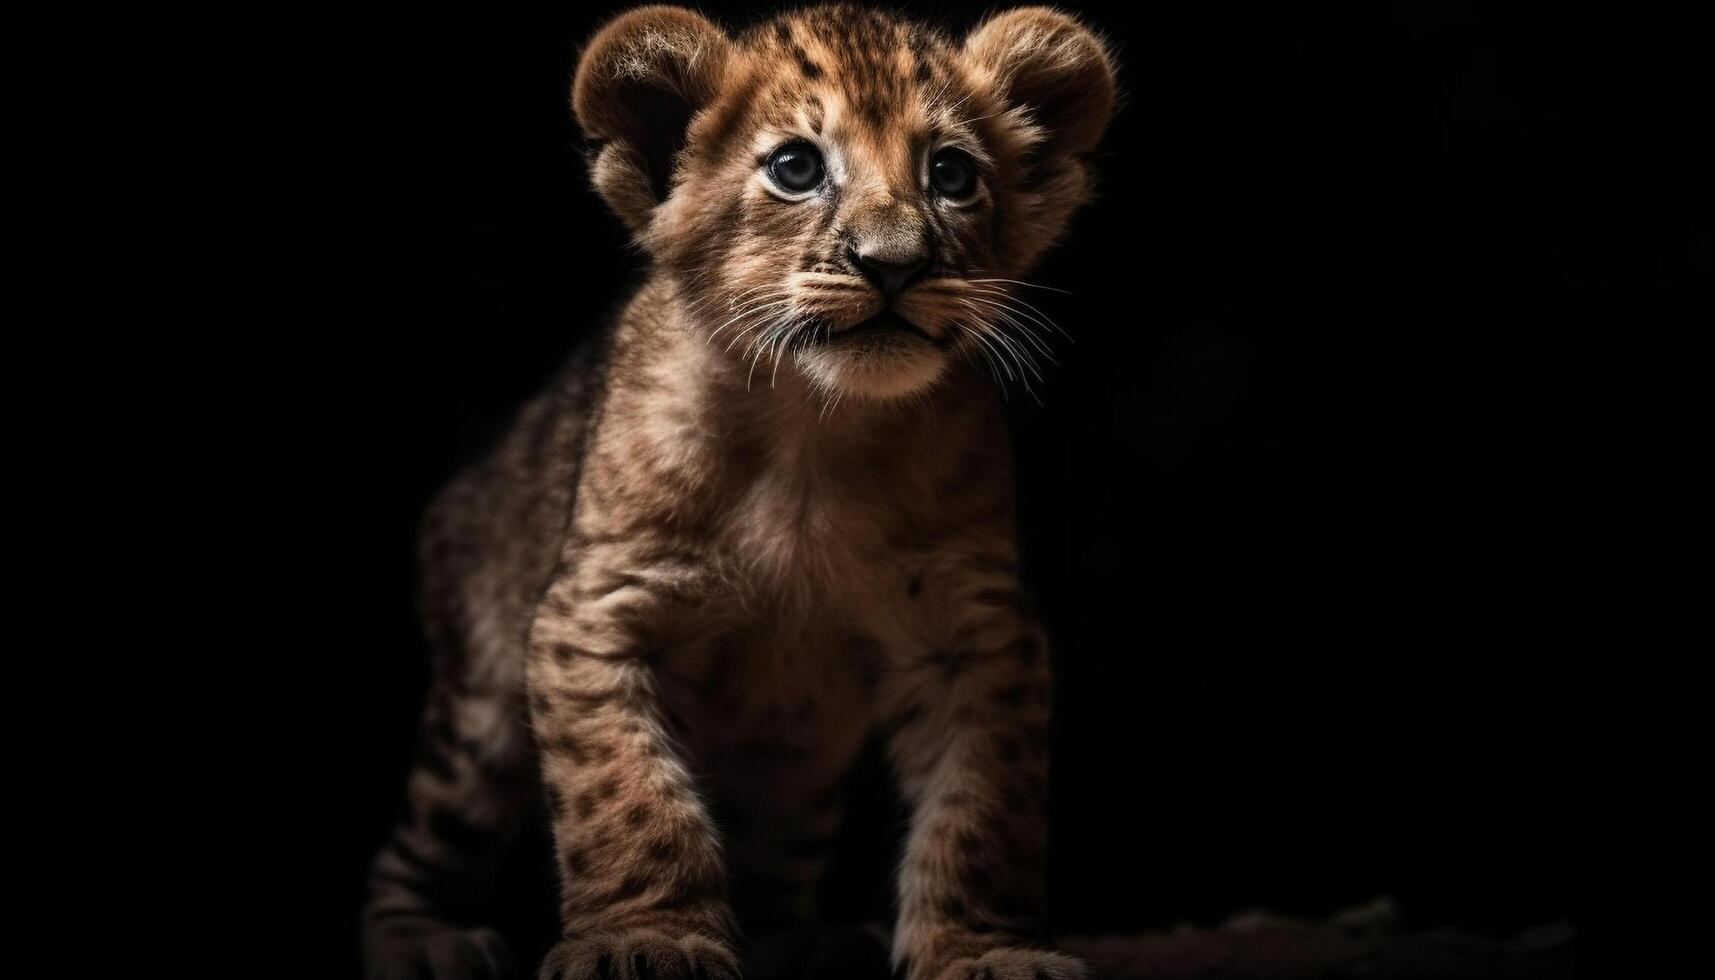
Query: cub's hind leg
[(468, 791), (489, 544)]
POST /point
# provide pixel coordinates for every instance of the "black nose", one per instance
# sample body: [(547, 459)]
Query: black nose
[(890, 274)]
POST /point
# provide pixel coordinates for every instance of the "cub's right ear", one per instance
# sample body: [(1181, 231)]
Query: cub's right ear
[(638, 84)]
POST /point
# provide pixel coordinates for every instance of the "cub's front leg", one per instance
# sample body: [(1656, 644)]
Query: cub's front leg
[(970, 744), (642, 886)]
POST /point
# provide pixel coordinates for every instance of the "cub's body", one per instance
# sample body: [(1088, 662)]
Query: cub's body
[(704, 570)]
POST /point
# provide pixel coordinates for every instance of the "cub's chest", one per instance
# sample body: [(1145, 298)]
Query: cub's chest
[(802, 533)]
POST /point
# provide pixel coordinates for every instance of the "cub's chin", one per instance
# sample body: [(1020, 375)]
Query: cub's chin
[(883, 357)]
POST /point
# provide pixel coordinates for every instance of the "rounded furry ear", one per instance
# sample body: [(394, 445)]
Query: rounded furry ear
[(638, 84), (1053, 67)]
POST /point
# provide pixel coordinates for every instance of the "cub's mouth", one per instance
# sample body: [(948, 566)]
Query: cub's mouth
[(885, 323)]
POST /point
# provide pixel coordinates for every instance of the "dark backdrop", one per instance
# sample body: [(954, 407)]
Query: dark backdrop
[(1299, 504)]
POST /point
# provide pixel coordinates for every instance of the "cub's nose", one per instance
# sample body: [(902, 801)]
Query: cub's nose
[(891, 272)]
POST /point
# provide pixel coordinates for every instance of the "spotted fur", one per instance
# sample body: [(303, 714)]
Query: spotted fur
[(702, 572)]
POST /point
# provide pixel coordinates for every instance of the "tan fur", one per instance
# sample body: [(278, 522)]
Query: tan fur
[(760, 542)]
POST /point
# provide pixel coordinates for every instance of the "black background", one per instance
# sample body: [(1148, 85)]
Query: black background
[(1304, 504)]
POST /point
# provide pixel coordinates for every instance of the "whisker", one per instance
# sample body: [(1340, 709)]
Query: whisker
[(761, 324), (752, 311), (785, 335), (1020, 356), (981, 339), (988, 359), (1040, 317), (1030, 285), (1024, 329), (966, 122)]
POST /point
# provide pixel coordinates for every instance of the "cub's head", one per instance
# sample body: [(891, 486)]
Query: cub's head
[(843, 191)]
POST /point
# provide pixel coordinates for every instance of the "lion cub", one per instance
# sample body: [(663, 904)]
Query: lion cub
[(773, 519)]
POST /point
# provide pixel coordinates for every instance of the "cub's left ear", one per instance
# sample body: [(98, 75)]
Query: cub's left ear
[(1051, 66), (1054, 81), (639, 83)]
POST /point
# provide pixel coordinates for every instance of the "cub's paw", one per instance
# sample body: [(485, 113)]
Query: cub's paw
[(639, 955), (436, 951), (1016, 964)]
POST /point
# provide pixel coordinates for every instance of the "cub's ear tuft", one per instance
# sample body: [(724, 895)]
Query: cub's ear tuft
[(1053, 67), (638, 84)]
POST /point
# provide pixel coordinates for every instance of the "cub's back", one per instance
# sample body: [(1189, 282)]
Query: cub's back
[(489, 540)]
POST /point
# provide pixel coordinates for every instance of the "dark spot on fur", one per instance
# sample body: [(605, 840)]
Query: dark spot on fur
[(413, 858), (576, 863), (405, 881), (683, 891), (415, 916), (569, 747), (592, 699), (430, 759), (967, 842), (1031, 173), (951, 663), (630, 887), (442, 729), (586, 804), (810, 69), (918, 42), (458, 832)]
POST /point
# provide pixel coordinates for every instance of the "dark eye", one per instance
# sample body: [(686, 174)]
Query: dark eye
[(796, 167), (953, 174)]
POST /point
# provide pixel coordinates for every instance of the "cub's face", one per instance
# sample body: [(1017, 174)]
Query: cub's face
[(844, 194)]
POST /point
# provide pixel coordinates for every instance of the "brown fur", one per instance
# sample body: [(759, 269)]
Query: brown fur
[(709, 579)]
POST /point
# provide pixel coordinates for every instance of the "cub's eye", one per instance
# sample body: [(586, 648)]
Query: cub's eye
[(953, 174), (796, 167)]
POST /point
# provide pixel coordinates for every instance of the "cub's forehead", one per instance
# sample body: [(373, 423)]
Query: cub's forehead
[(848, 66)]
